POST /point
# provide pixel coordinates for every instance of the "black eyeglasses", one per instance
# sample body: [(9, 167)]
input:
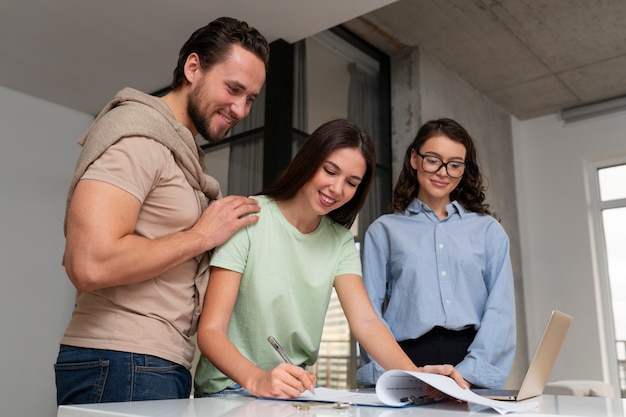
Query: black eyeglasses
[(431, 164)]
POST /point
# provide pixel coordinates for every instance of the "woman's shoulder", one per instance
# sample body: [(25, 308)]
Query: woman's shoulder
[(486, 222), (262, 199), (390, 223), (331, 227), (484, 218), (391, 219), (265, 202), (269, 214)]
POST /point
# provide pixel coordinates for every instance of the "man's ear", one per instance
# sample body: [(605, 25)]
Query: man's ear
[(192, 67)]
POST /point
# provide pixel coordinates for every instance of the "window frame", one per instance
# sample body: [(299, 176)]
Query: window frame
[(610, 363)]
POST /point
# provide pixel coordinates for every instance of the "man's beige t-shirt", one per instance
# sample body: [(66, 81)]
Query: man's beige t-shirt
[(152, 317)]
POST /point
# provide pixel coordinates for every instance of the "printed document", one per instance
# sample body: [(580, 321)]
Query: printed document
[(397, 388)]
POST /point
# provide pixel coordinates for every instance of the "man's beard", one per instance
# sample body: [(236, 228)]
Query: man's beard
[(200, 121)]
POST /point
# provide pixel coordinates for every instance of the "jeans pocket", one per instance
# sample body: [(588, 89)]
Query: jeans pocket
[(156, 375), (81, 382)]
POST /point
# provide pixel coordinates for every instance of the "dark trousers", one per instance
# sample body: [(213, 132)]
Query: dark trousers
[(439, 346)]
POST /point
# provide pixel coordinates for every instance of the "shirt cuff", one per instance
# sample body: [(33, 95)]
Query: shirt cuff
[(369, 373), (480, 373)]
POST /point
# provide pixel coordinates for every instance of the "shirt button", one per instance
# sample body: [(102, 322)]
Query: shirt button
[(447, 301), (441, 246), (443, 273)]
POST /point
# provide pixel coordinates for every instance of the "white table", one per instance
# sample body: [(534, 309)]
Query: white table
[(550, 405)]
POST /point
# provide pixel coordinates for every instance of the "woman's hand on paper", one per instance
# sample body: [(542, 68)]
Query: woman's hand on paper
[(284, 381), (447, 370)]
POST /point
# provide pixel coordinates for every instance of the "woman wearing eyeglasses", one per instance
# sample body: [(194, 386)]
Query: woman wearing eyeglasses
[(437, 269)]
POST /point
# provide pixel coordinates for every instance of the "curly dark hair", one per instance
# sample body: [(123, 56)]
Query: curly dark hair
[(213, 43), (470, 192), (329, 137)]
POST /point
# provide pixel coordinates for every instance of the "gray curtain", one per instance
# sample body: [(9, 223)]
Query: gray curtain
[(364, 109), (245, 167), (300, 120), (245, 163)]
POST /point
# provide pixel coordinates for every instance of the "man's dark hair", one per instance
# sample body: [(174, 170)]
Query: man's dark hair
[(213, 43)]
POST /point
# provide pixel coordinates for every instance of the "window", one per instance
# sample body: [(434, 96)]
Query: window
[(608, 201)]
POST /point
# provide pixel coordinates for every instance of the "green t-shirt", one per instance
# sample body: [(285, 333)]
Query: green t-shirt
[(286, 283)]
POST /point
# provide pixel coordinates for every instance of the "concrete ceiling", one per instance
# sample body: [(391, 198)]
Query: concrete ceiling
[(532, 57)]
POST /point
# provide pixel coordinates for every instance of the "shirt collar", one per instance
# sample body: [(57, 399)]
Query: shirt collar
[(417, 207)]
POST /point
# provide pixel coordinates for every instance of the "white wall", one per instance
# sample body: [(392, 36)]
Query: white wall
[(555, 234), (38, 151)]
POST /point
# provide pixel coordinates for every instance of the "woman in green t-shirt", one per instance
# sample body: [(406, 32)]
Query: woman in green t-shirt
[(275, 277)]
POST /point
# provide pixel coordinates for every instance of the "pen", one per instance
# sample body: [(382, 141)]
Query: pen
[(417, 400), (278, 348)]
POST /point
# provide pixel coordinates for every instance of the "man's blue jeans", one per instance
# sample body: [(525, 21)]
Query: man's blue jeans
[(97, 376)]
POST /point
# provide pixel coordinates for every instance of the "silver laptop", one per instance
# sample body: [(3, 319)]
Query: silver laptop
[(541, 366)]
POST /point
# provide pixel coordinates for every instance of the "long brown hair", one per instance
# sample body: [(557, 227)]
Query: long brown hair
[(332, 135), (470, 192)]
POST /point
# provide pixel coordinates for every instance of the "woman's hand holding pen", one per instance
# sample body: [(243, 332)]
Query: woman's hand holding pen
[(284, 381), (302, 377)]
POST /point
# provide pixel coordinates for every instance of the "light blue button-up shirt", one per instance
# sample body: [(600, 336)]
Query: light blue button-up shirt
[(455, 272)]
